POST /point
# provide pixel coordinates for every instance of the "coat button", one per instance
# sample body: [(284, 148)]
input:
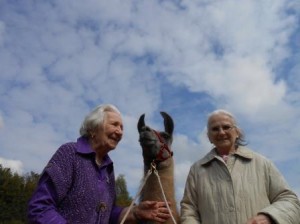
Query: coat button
[(101, 207)]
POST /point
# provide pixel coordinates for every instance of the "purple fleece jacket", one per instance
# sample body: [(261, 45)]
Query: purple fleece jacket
[(73, 189)]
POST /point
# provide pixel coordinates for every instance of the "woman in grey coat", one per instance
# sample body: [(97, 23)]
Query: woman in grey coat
[(234, 185)]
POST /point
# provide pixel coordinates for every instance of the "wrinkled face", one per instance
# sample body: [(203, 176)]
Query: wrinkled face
[(222, 132), (109, 134), (151, 144)]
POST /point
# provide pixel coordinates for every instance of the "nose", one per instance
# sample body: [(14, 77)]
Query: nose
[(221, 131), (119, 131)]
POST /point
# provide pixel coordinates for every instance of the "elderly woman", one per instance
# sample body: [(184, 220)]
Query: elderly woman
[(234, 185), (78, 184)]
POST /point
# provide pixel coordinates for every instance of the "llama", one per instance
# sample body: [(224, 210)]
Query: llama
[(156, 151)]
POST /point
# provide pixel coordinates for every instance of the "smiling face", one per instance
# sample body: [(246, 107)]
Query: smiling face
[(222, 132), (107, 136)]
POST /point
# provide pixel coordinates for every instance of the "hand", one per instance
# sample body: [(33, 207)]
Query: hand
[(152, 210), (260, 219)]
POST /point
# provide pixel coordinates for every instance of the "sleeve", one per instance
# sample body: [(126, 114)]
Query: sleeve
[(53, 186), (115, 214), (42, 206), (60, 170), (188, 204), (285, 205)]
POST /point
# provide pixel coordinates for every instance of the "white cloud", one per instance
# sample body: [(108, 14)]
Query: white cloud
[(65, 57), (16, 166)]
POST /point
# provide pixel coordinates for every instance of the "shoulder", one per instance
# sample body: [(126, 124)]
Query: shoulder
[(61, 163), (206, 159), (249, 153), (63, 154), (66, 149), (257, 160)]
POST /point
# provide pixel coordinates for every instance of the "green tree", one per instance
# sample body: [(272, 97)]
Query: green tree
[(123, 198), (15, 191)]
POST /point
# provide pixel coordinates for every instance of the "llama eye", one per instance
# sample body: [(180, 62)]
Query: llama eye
[(165, 135)]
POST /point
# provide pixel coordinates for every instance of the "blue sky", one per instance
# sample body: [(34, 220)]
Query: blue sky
[(60, 59)]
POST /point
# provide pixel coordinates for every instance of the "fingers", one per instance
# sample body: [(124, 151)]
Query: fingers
[(148, 203), (162, 216), (163, 210), (153, 210), (163, 204), (259, 219)]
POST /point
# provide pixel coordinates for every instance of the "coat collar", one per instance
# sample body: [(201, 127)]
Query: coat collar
[(242, 152), (83, 147)]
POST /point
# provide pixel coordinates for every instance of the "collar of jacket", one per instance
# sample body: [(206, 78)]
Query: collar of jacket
[(242, 152), (84, 148)]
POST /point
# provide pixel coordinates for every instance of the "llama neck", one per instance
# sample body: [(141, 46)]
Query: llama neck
[(165, 171), (166, 165), (152, 190)]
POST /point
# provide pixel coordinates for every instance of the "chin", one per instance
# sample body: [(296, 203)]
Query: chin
[(113, 145), (223, 145)]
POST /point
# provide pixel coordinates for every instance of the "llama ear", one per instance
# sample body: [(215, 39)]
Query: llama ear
[(168, 122), (141, 123)]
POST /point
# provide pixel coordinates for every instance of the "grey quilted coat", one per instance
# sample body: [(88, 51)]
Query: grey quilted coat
[(216, 193)]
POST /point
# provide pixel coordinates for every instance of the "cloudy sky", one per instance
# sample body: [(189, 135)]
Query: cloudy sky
[(60, 59)]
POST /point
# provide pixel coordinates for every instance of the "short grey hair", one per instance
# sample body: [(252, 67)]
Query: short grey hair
[(96, 118), (241, 136)]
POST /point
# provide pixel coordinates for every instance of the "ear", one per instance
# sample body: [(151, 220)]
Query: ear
[(91, 134), (168, 123), (238, 132), (209, 138), (141, 123)]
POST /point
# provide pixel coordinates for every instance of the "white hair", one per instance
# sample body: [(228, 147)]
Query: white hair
[(241, 136), (96, 118)]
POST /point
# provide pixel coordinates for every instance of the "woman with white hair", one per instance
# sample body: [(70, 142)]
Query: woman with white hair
[(78, 184), (235, 185)]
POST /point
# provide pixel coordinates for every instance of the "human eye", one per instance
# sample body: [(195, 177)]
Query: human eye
[(215, 129), (118, 125), (226, 127)]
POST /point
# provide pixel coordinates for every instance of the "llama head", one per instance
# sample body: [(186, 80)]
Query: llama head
[(156, 145)]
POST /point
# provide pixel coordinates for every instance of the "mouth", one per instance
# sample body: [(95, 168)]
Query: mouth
[(116, 140), (223, 140)]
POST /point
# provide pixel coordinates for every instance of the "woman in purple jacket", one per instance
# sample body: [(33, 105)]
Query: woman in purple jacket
[(78, 184)]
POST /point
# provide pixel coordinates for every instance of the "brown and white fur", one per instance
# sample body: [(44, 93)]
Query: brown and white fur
[(156, 146)]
